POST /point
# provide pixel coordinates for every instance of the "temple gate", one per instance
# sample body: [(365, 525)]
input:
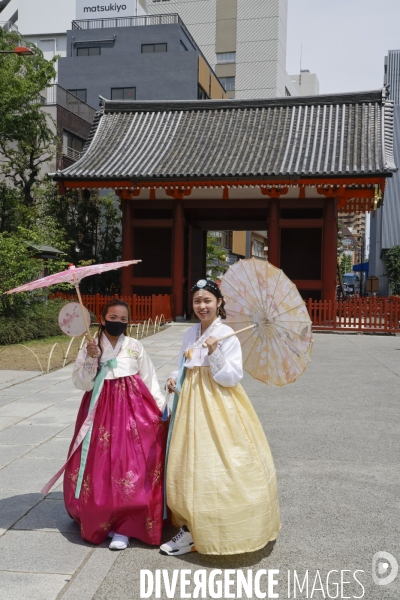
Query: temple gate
[(286, 165)]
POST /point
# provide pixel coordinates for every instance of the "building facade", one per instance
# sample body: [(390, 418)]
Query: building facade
[(136, 58), (244, 40), (45, 22), (306, 83), (385, 220)]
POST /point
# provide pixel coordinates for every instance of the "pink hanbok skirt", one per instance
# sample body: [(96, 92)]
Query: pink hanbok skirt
[(122, 487)]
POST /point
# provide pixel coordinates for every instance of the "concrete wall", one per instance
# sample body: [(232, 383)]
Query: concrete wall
[(306, 84), (255, 29), (199, 17), (167, 75)]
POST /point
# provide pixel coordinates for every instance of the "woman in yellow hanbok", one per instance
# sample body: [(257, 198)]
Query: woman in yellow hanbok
[(221, 483)]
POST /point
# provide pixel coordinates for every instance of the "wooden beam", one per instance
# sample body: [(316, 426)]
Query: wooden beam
[(274, 233), (273, 191), (308, 284), (178, 258), (329, 264), (231, 225), (185, 185), (151, 223), (152, 281), (127, 247), (301, 223)]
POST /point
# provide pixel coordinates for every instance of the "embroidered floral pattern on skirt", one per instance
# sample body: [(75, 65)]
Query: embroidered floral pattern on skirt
[(122, 485)]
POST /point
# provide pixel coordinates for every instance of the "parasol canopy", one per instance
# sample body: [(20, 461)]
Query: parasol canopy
[(278, 340), (73, 275)]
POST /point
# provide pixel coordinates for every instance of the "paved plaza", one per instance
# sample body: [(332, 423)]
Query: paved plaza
[(334, 436)]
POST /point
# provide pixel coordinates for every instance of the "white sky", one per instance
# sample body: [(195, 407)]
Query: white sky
[(344, 41)]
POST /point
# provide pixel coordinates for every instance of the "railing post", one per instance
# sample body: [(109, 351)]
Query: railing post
[(386, 313)]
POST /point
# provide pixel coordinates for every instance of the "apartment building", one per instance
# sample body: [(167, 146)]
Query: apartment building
[(244, 40), (136, 58)]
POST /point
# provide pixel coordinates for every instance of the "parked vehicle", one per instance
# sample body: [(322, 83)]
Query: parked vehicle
[(352, 282)]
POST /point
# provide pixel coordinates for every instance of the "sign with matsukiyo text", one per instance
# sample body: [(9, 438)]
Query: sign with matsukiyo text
[(103, 9)]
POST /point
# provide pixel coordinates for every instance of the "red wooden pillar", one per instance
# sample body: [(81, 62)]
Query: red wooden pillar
[(178, 258), (329, 265), (127, 247), (273, 232)]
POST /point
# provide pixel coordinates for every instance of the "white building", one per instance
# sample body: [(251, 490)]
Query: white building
[(45, 22), (306, 83), (243, 40)]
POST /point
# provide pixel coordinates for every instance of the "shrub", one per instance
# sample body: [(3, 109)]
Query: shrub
[(393, 269), (37, 321)]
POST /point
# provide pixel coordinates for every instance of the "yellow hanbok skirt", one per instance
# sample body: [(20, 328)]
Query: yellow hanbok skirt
[(221, 480)]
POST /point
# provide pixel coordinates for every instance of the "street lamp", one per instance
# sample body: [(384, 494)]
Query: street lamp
[(20, 50)]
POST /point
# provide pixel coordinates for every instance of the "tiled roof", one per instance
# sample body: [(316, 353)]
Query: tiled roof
[(342, 135)]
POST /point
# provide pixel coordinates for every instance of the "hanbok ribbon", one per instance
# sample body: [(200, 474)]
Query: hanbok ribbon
[(178, 387), (85, 431)]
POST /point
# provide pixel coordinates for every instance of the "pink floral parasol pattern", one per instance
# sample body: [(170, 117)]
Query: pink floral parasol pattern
[(72, 275)]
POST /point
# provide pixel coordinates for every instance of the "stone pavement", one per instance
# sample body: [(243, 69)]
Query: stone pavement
[(334, 436)]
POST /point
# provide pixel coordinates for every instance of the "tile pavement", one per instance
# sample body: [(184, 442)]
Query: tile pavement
[(334, 437)]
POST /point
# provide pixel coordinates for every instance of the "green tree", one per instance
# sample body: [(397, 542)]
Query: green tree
[(10, 200), (17, 266), (346, 264), (92, 225), (340, 247), (215, 256), (393, 269), (27, 139)]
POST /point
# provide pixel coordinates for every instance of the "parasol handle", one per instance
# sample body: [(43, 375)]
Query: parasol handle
[(224, 337), (89, 337)]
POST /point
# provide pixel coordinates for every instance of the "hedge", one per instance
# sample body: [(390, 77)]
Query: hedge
[(34, 322)]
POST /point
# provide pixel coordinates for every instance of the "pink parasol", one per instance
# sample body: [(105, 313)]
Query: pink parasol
[(73, 275)]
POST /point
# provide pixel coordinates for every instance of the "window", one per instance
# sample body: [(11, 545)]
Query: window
[(228, 83), (72, 145), (123, 93), (287, 93), (227, 237), (225, 58), (81, 94), (201, 94), (258, 249), (92, 51), (183, 47), (150, 48)]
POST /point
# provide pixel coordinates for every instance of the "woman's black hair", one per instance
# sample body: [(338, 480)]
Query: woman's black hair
[(211, 286), (114, 302)]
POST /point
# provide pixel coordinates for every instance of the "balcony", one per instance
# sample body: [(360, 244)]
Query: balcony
[(8, 26), (72, 154), (56, 95), (171, 19), (127, 21)]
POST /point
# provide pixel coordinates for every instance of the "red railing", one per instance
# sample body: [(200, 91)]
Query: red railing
[(359, 314), (142, 307)]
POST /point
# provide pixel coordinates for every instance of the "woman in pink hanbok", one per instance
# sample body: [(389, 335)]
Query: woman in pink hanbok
[(113, 484)]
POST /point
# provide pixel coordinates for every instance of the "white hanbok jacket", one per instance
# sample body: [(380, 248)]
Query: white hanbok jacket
[(225, 363), (132, 359)]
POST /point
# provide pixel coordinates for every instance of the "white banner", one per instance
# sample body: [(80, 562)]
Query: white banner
[(101, 9)]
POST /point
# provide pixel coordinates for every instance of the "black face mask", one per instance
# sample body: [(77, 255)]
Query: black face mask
[(115, 328)]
